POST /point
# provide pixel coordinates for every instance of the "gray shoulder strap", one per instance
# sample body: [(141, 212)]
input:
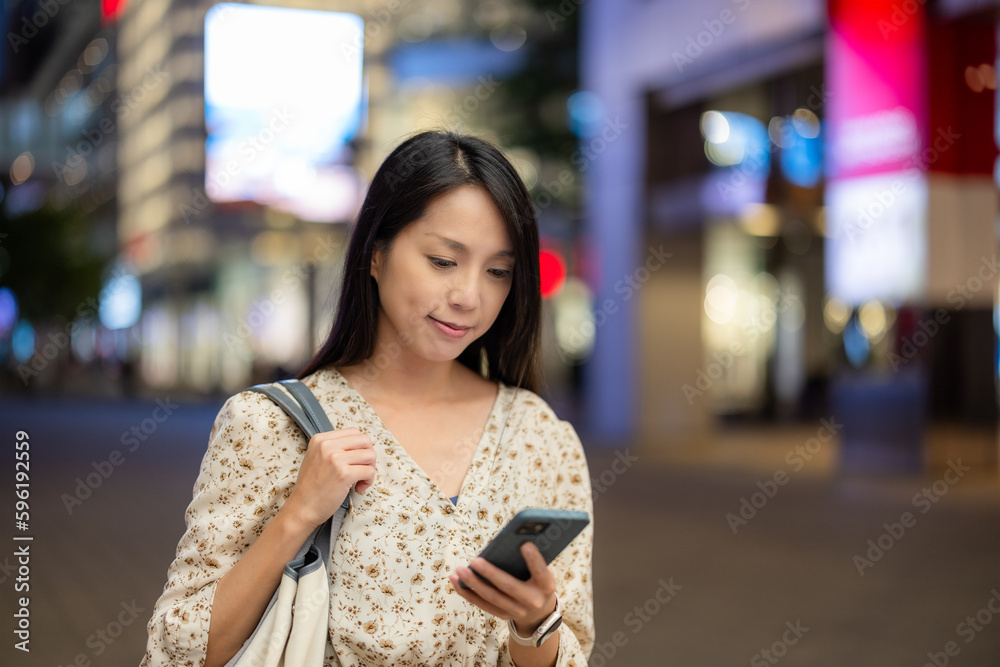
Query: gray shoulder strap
[(314, 411), (303, 407), (290, 406)]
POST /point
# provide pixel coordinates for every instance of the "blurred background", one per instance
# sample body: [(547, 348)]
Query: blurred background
[(769, 238)]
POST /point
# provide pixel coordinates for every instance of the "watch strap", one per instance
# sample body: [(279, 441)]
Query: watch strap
[(544, 630)]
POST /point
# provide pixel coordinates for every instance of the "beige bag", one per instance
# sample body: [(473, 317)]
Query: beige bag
[(294, 627)]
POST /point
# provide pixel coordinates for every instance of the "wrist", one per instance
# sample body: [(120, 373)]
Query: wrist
[(526, 627), (292, 524)]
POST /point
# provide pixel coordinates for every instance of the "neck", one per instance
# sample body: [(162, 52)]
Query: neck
[(394, 375)]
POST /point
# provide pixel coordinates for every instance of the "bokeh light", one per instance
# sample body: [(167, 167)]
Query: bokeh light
[(553, 272)]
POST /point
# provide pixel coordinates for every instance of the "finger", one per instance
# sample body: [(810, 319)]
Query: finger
[(365, 482), (346, 429), (490, 595), (345, 437), (355, 457), (340, 433), (500, 579), (352, 442), (472, 597), (531, 593), (541, 573), (483, 595), (359, 473)]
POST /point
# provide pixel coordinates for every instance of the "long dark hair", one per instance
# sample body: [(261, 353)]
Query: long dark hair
[(421, 168)]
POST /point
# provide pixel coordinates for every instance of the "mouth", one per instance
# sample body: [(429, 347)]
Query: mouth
[(449, 329)]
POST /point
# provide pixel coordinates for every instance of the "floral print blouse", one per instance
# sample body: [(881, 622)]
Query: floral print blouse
[(391, 602)]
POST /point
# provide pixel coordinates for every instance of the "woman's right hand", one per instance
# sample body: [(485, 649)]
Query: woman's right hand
[(334, 462)]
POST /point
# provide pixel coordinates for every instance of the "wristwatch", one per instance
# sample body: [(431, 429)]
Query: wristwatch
[(541, 633)]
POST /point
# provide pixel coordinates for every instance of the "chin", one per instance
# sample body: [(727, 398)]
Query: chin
[(433, 350)]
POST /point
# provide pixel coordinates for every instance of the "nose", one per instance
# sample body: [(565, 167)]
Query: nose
[(463, 292)]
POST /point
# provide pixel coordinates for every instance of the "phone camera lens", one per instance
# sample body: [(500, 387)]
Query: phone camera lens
[(532, 528)]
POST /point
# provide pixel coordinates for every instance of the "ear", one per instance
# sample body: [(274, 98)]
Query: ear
[(377, 262)]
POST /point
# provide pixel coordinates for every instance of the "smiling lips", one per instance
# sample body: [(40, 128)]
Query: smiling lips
[(450, 329)]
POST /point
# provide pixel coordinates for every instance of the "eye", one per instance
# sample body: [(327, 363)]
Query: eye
[(441, 263), (500, 274)]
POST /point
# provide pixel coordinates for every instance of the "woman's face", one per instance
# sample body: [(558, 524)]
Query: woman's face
[(452, 266)]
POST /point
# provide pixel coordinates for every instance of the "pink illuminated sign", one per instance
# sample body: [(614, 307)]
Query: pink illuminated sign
[(876, 116), (877, 110)]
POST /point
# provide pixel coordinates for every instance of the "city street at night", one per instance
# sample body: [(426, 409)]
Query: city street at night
[(674, 585)]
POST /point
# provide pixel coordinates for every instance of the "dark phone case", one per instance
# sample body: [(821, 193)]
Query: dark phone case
[(504, 550)]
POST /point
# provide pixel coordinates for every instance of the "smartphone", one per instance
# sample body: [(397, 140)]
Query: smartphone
[(551, 530)]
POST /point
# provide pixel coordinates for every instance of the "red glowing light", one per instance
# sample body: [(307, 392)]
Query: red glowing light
[(110, 9), (553, 272)]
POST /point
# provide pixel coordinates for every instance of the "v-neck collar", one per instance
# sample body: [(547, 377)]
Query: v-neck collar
[(481, 451)]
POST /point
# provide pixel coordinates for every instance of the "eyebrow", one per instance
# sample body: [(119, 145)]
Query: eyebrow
[(461, 246)]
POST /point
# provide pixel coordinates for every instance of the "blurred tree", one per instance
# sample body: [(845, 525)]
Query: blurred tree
[(533, 100), (50, 263)]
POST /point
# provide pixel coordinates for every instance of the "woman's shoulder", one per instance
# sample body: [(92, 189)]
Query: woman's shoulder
[(537, 416), (319, 382), (529, 402), (545, 435), (243, 411), (242, 402), (250, 404)]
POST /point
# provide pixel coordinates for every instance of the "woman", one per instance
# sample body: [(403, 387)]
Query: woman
[(429, 377)]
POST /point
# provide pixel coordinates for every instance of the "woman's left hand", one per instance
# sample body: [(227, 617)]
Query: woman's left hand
[(528, 603)]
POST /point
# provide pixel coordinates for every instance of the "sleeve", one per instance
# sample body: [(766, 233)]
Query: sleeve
[(573, 568), (239, 487)]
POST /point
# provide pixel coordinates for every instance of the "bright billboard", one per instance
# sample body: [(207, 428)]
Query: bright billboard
[(284, 97)]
